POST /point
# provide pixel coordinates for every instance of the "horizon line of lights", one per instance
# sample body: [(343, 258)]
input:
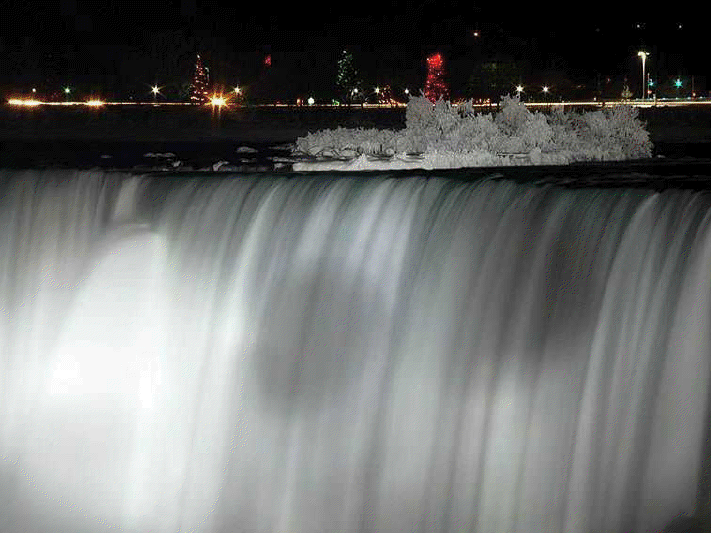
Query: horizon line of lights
[(218, 101)]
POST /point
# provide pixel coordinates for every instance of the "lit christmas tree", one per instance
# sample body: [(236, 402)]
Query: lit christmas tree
[(435, 86), (199, 91), (385, 96), (626, 93), (347, 77)]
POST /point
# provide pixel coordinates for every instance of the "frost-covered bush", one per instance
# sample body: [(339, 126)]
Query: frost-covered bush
[(512, 115), (466, 109), (422, 125), (347, 143), (536, 132), (446, 117), (626, 127), (614, 133), (420, 114), (567, 129), (471, 133)]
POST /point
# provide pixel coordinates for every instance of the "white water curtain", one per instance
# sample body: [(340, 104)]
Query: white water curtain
[(353, 354)]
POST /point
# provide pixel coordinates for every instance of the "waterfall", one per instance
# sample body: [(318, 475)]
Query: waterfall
[(351, 354)]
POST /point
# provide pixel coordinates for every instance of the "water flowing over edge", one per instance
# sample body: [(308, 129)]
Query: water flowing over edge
[(253, 354)]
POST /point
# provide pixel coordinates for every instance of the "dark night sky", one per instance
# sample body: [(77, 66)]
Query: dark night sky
[(122, 46)]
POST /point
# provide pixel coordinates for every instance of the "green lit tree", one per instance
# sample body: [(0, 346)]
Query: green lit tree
[(347, 77)]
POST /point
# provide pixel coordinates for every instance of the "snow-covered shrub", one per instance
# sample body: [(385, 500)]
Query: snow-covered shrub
[(466, 109), (446, 117), (420, 114), (345, 142), (484, 131), (512, 115), (471, 133), (616, 132), (612, 134), (629, 131), (420, 125), (536, 132), (566, 129)]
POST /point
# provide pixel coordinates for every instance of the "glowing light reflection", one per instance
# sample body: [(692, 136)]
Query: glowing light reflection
[(28, 102), (218, 101)]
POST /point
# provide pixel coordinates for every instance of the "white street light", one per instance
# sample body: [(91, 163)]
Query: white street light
[(644, 55)]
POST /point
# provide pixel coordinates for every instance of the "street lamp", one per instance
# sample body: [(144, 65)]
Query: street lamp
[(644, 55)]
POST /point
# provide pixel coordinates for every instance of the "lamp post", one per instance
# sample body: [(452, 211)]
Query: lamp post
[(644, 55)]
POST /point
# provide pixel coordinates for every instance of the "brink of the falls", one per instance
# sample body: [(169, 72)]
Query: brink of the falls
[(319, 355)]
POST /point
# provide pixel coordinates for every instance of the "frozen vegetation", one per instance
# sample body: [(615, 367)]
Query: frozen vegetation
[(447, 136)]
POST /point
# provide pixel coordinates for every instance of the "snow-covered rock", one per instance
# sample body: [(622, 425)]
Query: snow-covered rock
[(167, 155), (220, 165), (246, 150)]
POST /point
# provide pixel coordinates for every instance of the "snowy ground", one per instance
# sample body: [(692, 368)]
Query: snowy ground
[(445, 160)]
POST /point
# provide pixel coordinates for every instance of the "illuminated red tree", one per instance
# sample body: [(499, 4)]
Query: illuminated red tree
[(199, 88), (435, 86)]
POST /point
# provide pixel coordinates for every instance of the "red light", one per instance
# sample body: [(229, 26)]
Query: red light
[(435, 61)]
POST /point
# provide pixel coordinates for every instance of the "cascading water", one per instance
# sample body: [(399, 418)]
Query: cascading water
[(385, 355)]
